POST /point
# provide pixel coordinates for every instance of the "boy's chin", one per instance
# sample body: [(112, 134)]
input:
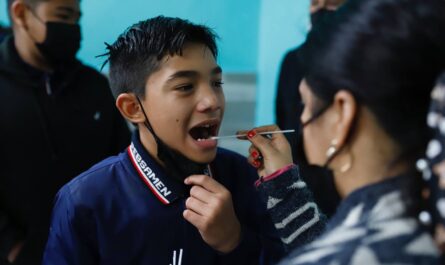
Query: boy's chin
[(206, 158)]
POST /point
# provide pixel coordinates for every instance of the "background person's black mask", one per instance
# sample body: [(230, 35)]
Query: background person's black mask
[(61, 43), (320, 16)]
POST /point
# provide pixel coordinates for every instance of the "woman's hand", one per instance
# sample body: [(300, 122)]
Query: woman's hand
[(268, 153)]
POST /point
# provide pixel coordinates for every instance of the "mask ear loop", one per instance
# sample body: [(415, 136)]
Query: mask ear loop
[(35, 14), (332, 150), (316, 115), (38, 18), (147, 122)]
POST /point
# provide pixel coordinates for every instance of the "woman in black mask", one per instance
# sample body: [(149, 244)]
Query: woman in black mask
[(366, 96)]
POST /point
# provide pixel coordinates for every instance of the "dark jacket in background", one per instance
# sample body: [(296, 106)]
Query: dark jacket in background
[(4, 32), (53, 127), (288, 111)]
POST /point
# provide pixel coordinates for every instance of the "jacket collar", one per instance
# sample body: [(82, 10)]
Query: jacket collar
[(166, 189)]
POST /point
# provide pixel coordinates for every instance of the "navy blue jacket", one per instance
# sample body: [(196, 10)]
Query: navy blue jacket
[(125, 210)]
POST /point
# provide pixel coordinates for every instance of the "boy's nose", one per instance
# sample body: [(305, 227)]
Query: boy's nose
[(210, 100)]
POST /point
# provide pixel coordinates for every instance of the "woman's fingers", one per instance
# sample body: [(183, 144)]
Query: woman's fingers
[(271, 154)]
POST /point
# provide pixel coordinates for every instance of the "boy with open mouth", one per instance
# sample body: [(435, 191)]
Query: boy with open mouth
[(137, 208)]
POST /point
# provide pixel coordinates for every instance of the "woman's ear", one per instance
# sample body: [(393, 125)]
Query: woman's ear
[(345, 107), (129, 107)]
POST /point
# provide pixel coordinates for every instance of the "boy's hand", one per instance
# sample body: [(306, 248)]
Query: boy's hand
[(210, 210)]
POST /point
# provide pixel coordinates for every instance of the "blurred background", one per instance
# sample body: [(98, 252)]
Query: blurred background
[(254, 37)]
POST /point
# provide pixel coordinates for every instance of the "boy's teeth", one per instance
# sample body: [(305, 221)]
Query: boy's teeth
[(202, 139)]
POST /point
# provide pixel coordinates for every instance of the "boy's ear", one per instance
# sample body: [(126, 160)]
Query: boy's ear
[(129, 107)]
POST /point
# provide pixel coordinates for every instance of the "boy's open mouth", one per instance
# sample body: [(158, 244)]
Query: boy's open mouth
[(204, 131)]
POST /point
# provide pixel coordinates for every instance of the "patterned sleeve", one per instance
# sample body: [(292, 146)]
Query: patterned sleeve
[(290, 203), (432, 165)]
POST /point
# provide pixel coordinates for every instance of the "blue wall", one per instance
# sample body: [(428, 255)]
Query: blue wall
[(236, 22), (3, 14), (255, 34), (282, 26)]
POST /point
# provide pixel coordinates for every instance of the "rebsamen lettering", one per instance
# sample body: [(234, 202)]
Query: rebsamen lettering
[(150, 174)]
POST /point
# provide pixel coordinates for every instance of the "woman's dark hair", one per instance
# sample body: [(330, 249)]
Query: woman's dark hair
[(137, 52), (388, 54)]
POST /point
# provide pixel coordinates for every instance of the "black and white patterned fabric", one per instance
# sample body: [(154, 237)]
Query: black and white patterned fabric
[(433, 165), (370, 227)]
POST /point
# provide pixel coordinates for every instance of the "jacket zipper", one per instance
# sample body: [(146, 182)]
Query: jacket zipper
[(49, 91), (44, 121)]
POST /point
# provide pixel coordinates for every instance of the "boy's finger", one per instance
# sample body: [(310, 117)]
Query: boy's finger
[(194, 218), (204, 181), (201, 194), (196, 206)]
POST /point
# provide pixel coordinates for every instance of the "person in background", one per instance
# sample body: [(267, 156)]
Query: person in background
[(289, 109), (135, 208), (4, 31), (366, 96), (58, 119)]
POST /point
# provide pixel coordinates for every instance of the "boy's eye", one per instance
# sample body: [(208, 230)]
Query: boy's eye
[(218, 84), (185, 88)]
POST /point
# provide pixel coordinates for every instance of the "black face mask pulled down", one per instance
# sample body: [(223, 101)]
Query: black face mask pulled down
[(320, 16), (61, 43), (176, 165)]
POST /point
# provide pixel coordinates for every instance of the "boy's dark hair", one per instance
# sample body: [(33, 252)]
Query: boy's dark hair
[(137, 52)]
